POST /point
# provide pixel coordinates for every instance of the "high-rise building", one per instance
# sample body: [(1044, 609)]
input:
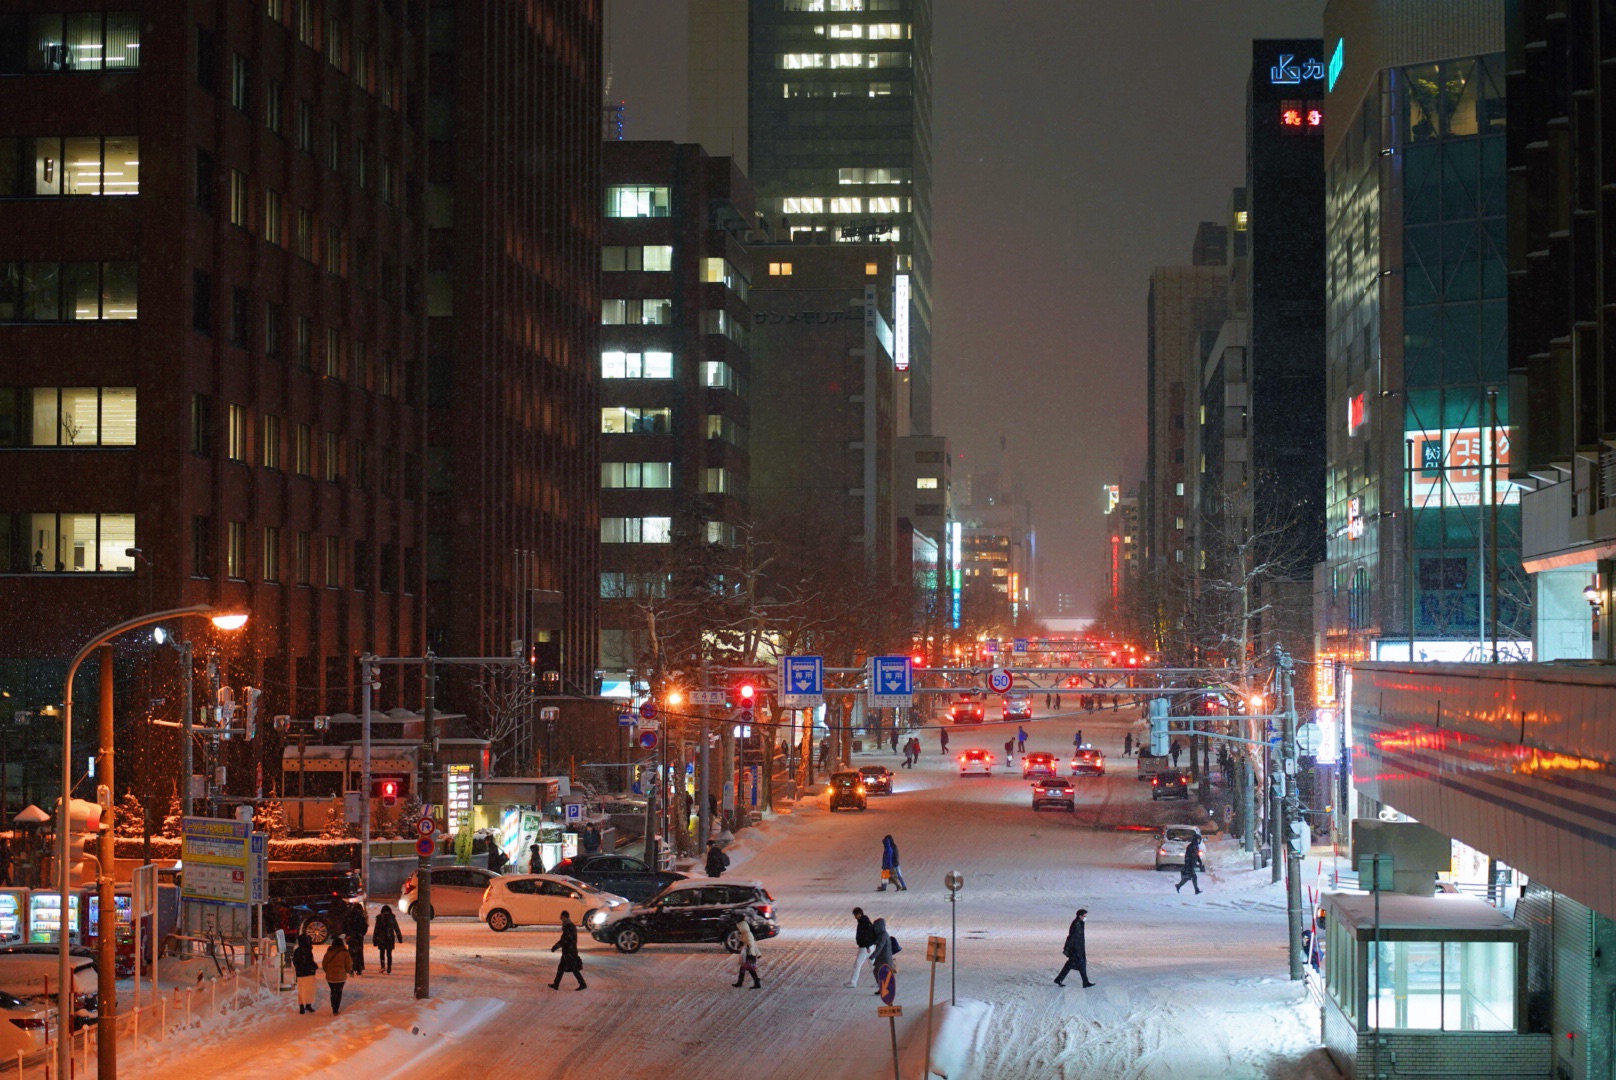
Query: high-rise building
[(998, 554), (212, 249), (1423, 531), (838, 123), (923, 498), (513, 203), (1562, 318), (675, 365), (822, 393), (1187, 307)]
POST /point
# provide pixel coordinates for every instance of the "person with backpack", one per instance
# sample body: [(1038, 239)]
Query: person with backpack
[(864, 938), (889, 865), (885, 948)]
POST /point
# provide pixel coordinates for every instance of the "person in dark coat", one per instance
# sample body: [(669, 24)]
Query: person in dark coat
[(717, 861), (881, 951), (1127, 744), (1192, 863), (5, 863), (535, 859), (591, 838), (496, 858), (1077, 958), (1175, 751), (307, 970), (894, 738), (338, 965), (889, 863), (942, 737), (864, 938), (355, 923), (1057, 701), (568, 948), (386, 935)]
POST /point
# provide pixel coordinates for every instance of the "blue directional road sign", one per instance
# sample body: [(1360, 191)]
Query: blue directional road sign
[(886, 982), (991, 645), (802, 682), (625, 719), (892, 683), (1020, 644)]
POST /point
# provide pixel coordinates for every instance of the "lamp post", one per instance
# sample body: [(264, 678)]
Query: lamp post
[(106, 959)]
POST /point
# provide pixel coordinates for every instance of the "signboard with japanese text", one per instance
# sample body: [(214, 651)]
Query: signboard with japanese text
[(1451, 467), (225, 861), (458, 782)]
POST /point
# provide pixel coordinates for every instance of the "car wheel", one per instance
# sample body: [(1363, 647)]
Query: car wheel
[(499, 920), (628, 940), (415, 912), (317, 929), (732, 941)]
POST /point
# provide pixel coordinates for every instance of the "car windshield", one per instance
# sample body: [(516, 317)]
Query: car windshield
[(1182, 835)]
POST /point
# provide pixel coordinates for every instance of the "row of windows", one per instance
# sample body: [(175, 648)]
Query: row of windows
[(77, 41), (802, 61), (657, 257), (360, 569), (67, 543), (636, 365), (74, 416), (841, 5), (636, 474), (638, 201), (881, 204), (67, 292), (722, 322), (75, 165), (622, 420), (293, 447), (719, 270), (842, 88), (648, 311), (655, 530), (872, 31)]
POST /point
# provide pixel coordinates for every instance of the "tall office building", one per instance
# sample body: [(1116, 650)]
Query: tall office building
[(1423, 530), (675, 365), (211, 313), (1562, 317), (513, 205), (838, 123)]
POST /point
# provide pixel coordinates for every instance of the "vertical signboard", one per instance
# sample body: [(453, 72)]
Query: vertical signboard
[(900, 321), (224, 861), (458, 783)]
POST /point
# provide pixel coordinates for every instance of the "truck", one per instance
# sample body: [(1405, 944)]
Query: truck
[(1151, 764)]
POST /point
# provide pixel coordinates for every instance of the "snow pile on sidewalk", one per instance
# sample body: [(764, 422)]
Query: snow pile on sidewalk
[(955, 1029)]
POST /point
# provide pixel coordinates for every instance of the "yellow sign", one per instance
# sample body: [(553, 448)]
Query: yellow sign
[(936, 949), (889, 1010)]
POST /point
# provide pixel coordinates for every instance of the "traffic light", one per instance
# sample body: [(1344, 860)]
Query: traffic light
[(389, 790), (746, 692), (1301, 838), (918, 660)]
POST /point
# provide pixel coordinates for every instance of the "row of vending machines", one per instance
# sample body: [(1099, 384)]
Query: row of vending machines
[(34, 917)]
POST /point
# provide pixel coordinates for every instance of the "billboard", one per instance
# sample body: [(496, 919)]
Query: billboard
[(1451, 465), (1113, 495)]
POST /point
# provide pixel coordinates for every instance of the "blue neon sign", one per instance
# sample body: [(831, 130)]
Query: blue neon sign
[(1335, 64)]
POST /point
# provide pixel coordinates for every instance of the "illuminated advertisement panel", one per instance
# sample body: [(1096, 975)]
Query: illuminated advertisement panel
[(900, 318), (1450, 465)]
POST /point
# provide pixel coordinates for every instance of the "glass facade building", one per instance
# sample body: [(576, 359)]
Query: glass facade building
[(839, 117), (1423, 528)]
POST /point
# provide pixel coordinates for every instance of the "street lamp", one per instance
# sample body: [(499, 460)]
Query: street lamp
[(106, 959)]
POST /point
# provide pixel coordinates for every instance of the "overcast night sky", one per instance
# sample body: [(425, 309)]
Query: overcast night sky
[(1076, 144)]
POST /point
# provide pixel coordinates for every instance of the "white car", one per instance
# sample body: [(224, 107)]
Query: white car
[(456, 890), (1171, 843), (976, 763), (23, 1026), (539, 900)]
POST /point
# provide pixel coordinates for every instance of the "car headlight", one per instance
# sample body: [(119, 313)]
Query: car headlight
[(597, 918)]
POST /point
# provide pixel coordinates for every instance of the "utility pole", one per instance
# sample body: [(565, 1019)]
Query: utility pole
[(1291, 814), (188, 722), (423, 866), (367, 683), (106, 1021), (704, 816)]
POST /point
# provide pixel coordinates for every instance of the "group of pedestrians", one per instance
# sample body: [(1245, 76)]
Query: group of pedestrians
[(345, 955), (874, 944), (911, 751)]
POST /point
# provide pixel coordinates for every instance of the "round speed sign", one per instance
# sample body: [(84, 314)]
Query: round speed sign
[(1000, 680)]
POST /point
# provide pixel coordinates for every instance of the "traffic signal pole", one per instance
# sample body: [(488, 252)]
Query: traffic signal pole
[(1291, 815)]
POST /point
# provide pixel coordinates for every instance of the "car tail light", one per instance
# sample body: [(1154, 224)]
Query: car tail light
[(766, 910), (31, 1023), (962, 759), (409, 885)]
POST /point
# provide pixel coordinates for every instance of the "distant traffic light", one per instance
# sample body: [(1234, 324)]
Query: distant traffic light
[(918, 660), (1301, 838), (389, 792)]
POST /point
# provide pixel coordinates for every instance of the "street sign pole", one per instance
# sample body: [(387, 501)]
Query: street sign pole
[(892, 1029), (423, 866), (936, 947), (954, 882)]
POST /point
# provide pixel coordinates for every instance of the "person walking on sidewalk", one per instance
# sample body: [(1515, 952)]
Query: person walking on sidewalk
[(889, 865), (942, 737), (894, 738), (338, 965), (1021, 739), (307, 970), (717, 861), (1175, 750), (864, 938), (386, 935), (1192, 863), (567, 946), (1127, 744), (1077, 958), (882, 951), (749, 954), (355, 922)]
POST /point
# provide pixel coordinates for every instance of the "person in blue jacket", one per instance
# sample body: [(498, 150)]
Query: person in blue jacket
[(889, 862)]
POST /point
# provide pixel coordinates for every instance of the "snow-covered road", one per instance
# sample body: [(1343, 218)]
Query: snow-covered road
[(1186, 986)]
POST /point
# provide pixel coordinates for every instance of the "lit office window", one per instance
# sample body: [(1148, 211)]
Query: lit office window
[(67, 416), (779, 269), (623, 420), (636, 530), (715, 481), (635, 365), (43, 166), (926, 483), (636, 474), (77, 41), (67, 543), (802, 205), (631, 201), (650, 311)]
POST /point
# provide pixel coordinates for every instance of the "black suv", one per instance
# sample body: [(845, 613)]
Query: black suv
[(1170, 784), (877, 779), (847, 792), (621, 874), (698, 910)]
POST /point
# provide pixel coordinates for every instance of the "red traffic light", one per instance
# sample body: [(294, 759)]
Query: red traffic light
[(918, 660), (389, 790), (747, 692)]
